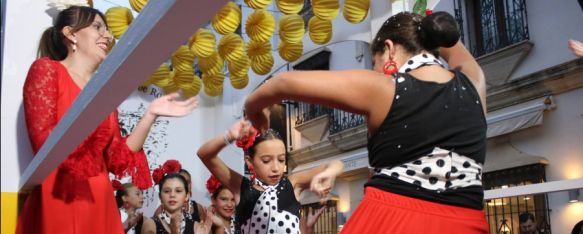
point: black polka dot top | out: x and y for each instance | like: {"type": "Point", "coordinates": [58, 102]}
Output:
{"type": "Point", "coordinates": [426, 116]}
{"type": "Point", "coordinates": [274, 210]}
{"type": "Point", "coordinates": [188, 228]}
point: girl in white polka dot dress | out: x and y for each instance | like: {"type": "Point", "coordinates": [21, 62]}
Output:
{"type": "Point", "coordinates": [269, 202]}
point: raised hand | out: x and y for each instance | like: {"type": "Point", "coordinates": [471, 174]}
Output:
{"type": "Point", "coordinates": [322, 184]}
{"type": "Point", "coordinates": [132, 220]}
{"type": "Point", "coordinates": [206, 225]}
{"type": "Point", "coordinates": [175, 222]}
{"type": "Point", "coordinates": [576, 47]}
{"type": "Point", "coordinates": [240, 129]}
{"type": "Point", "coordinates": [309, 220]}
{"type": "Point", "coordinates": [260, 120]}
{"type": "Point", "coordinates": [170, 105]}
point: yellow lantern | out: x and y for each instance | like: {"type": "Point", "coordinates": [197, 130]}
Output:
{"type": "Point", "coordinates": [231, 47]}
{"type": "Point", "coordinates": [202, 43]}
{"type": "Point", "coordinates": [227, 19]}
{"type": "Point", "coordinates": [161, 73]}
{"type": "Point", "coordinates": [320, 30]}
{"type": "Point", "coordinates": [290, 6]}
{"type": "Point", "coordinates": [137, 5]}
{"type": "Point", "coordinates": [212, 64]}
{"type": "Point", "coordinates": [192, 89]}
{"type": "Point", "coordinates": [326, 9]}
{"type": "Point", "coordinates": [182, 59]}
{"type": "Point", "coordinates": [291, 28]}
{"type": "Point", "coordinates": [257, 4]}
{"type": "Point", "coordinates": [355, 11]}
{"type": "Point", "coordinates": [290, 51]}
{"type": "Point", "coordinates": [260, 25]}
{"type": "Point", "coordinates": [118, 19]}
{"type": "Point", "coordinates": [262, 65]}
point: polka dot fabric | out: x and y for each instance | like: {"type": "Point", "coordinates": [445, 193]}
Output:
{"type": "Point", "coordinates": [419, 60]}
{"type": "Point", "coordinates": [268, 216]}
{"type": "Point", "coordinates": [439, 171]}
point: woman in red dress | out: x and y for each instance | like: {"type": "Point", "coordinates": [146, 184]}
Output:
{"type": "Point", "coordinates": [77, 197]}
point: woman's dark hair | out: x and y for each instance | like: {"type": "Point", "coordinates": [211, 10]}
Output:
{"type": "Point", "coordinates": [122, 192]}
{"type": "Point", "coordinates": [415, 32]}
{"type": "Point", "coordinates": [522, 218]}
{"type": "Point", "coordinates": [270, 134]}
{"type": "Point", "coordinates": [53, 43]}
{"type": "Point", "coordinates": [172, 176]}
{"type": "Point", "coordinates": [578, 227]}
{"type": "Point", "coordinates": [219, 190]}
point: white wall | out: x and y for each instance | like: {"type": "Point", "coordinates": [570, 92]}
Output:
{"type": "Point", "coordinates": [550, 25]}
{"type": "Point", "coordinates": [25, 22]}
{"type": "Point", "coordinates": [559, 140]}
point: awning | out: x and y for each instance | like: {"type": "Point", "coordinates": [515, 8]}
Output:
{"type": "Point", "coordinates": [517, 117]}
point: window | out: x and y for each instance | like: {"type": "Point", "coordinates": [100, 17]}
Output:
{"type": "Point", "coordinates": [490, 25]}
{"type": "Point", "coordinates": [503, 213]}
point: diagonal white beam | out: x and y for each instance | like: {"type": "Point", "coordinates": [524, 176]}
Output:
{"type": "Point", "coordinates": [547, 187]}
{"type": "Point", "coordinates": [158, 30]}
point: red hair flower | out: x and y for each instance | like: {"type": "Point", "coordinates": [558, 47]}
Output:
{"type": "Point", "coordinates": [428, 12]}
{"type": "Point", "coordinates": [212, 184]}
{"type": "Point", "coordinates": [157, 175]}
{"type": "Point", "coordinates": [116, 185]}
{"type": "Point", "coordinates": [247, 141]}
{"type": "Point", "coordinates": [172, 166]}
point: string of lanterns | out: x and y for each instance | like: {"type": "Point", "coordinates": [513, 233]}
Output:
{"type": "Point", "coordinates": [204, 53]}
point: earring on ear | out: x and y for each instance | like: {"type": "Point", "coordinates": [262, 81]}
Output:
{"type": "Point", "coordinates": [390, 67]}
{"type": "Point", "coordinates": [74, 45]}
{"type": "Point", "coordinates": [126, 205]}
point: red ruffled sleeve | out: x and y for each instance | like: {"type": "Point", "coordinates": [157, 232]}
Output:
{"type": "Point", "coordinates": [40, 101]}
{"type": "Point", "coordinates": [122, 161]}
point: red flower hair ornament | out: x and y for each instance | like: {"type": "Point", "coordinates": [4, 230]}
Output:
{"type": "Point", "coordinates": [116, 185]}
{"type": "Point", "coordinates": [170, 166]}
{"type": "Point", "coordinates": [247, 141]}
{"type": "Point", "coordinates": [212, 184]}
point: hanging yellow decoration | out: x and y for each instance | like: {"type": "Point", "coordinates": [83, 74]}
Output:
{"type": "Point", "coordinates": [213, 83]}
{"type": "Point", "coordinates": [227, 19]}
{"type": "Point", "coordinates": [258, 48]}
{"type": "Point", "coordinates": [260, 25]}
{"type": "Point", "coordinates": [239, 67]}
{"type": "Point", "coordinates": [231, 47]}
{"type": "Point", "coordinates": [239, 82]}
{"type": "Point", "coordinates": [326, 9]}
{"type": "Point", "coordinates": [257, 4]}
{"type": "Point", "coordinates": [138, 5]}
{"type": "Point", "coordinates": [355, 11]}
{"type": "Point", "coordinates": [202, 43]}
{"type": "Point", "coordinates": [160, 74]}
{"type": "Point", "coordinates": [118, 19]}
{"type": "Point", "coordinates": [289, 6]}
{"type": "Point", "coordinates": [261, 56]}
{"type": "Point", "coordinates": [262, 65]}
{"type": "Point", "coordinates": [183, 78]}
{"type": "Point", "coordinates": [291, 28]}
{"type": "Point", "coordinates": [182, 59]}
{"type": "Point", "coordinates": [192, 89]}
{"type": "Point", "coordinates": [169, 86]}
{"type": "Point", "coordinates": [320, 30]}
{"type": "Point", "coordinates": [290, 51]}
{"type": "Point", "coordinates": [212, 64]}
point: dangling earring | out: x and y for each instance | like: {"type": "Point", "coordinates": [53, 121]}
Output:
{"type": "Point", "coordinates": [252, 173]}
{"type": "Point", "coordinates": [390, 67]}
{"type": "Point", "coordinates": [74, 45]}
{"type": "Point", "coordinates": [126, 205]}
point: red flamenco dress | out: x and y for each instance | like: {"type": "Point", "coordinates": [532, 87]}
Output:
{"type": "Point", "coordinates": [77, 197]}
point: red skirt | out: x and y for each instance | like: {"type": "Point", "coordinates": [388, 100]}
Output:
{"type": "Point", "coordinates": [384, 212]}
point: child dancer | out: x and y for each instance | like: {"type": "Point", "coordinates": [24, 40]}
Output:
{"type": "Point", "coordinates": [268, 203]}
